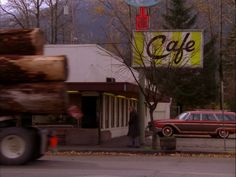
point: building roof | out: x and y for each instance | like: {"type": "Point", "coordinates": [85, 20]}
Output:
{"type": "Point", "coordinates": [92, 63]}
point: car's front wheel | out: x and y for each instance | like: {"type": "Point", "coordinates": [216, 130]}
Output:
{"type": "Point", "coordinates": [167, 131]}
{"type": "Point", "coordinates": [223, 133]}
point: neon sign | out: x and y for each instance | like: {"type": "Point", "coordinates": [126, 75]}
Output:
{"type": "Point", "coordinates": [142, 20]}
{"type": "Point", "coordinates": [142, 3]}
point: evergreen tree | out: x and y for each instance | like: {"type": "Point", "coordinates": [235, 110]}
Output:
{"type": "Point", "coordinates": [179, 16]}
{"type": "Point", "coordinates": [190, 88]}
{"type": "Point", "coordinates": [229, 67]}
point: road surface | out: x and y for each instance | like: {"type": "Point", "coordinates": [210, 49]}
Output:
{"type": "Point", "coordinates": [124, 166]}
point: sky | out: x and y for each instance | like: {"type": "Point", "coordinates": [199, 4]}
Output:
{"type": "Point", "coordinates": [3, 1]}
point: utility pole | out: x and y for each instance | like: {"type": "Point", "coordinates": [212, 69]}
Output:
{"type": "Point", "coordinates": [0, 14]}
{"type": "Point", "coordinates": [221, 73]}
{"type": "Point", "coordinates": [141, 106]}
{"type": "Point", "coordinates": [235, 55]}
{"type": "Point", "coordinates": [221, 62]}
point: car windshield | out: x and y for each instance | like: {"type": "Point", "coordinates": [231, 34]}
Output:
{"type": "Point", "coordinates": [182, 116]}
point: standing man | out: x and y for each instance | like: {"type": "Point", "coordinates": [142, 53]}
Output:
{"type": "Point", "coordinates": [133, 132]}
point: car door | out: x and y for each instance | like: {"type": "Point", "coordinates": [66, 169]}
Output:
{"type": "Point", "coordinates": [191, 124]}
{"type": "Point", "coordinates": [209, 123]}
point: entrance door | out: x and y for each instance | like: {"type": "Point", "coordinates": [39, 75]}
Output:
{"type": "Point", "coordinates": [89, 109]}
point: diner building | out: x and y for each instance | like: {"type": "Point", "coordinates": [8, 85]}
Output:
{"type": "Point", "coordinates": [104, 88]}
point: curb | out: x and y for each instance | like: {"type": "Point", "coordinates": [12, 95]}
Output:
{"type": "Point", "coordinates": [143, 151]}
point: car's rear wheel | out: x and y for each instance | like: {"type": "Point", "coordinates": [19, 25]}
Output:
{"type": "Point", "coordinates": [223, 133]}
{"type": "Point", "coordinates": [167, 131]}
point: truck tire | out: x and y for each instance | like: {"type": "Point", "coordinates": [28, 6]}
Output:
{"type": "Point", "coordinates": [16, 146]}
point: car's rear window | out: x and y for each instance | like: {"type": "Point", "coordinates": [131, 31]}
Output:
{"type": "Point", "coordinates": [226, 117]}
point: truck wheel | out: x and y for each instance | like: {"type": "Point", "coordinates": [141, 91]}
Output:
{"type": "Point", "coordinates": [16, 146]}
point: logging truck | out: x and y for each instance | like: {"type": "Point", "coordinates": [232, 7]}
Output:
{"type": "Point", "coordinates": [30, 84]}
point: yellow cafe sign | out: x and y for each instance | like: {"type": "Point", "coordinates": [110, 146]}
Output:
{"type": "Point", "coordinates": [167, 48]}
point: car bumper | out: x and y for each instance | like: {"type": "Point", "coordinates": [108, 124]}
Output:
{"type": "Point", "coordinates": [158, 129]}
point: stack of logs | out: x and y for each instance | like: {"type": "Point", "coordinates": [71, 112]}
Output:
{"type": "Point", "coordinates": [30, 82]}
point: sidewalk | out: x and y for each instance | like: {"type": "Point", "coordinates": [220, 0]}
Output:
{"type": "Point", "coordinates": [119, 145]}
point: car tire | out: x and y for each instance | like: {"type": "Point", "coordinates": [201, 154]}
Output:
{"type": "Point", "coordinates": [223, 133]}
{"type": "Point", "coordinates": [16, 146]}
{"type": "Point", "coordinates": [167, 131]}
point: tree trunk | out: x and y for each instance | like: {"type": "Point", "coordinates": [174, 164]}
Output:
{"type": "Point", "coordinates": [21, 42]}
{"type": "Point", "coordinates": [14, 69]}
{"type": "Point", "coordinates": [153, 129]}
{"type": "Point", "coordinates": [154, 140]}
{"type": "Point", "coordinates": [48, 97]}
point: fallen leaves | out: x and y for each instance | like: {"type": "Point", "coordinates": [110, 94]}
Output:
{"type": "Point", "coordinates": [177, 154]}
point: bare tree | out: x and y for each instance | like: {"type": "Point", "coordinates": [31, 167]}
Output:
{"type": "Point", "coordinates": [146, 59]}
{"type": "Point", "coordinates": [36, 10]}
{"type": "Point", "coordinates": [53, 11]}
{"type": "Point", "coordinates": [23, 13]}
{"type": "Point", "coordinates": [45, 14]}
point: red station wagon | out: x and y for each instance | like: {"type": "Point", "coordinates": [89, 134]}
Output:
{"type": "Point", "coordinates": [213, 123]}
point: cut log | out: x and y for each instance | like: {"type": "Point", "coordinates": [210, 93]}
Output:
{"type": "Point", "coordinates": [35, 98]}
{"type": "Point", "coordinates": [21, 41]}
{"type": "Point", "coordinates": [36, 68]}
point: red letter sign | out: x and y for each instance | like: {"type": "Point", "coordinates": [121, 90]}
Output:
{"type": "Point", "coordinates": [142, 20]}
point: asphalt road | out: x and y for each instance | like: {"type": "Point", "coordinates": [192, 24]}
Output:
{"type": "Point", "coordinates": [206, 144]}
{"type": "Point", "coordinates": [124, 166]}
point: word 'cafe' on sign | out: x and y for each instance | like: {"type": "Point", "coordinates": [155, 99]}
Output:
{"type": "Point", "coordinates": [165, 48]}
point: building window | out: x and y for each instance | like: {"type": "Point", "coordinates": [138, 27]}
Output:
{"type": "Point", "coordinates": [103, 112]}
{"type": "Point", "coordinates": [112, 112]}
{"type": "Point", "coordinates": [115, 111]}
{"type": "Point", "coordinates": [127, 112]}
{"type": "Point", "coordinates": [122, 112]}
{"type": "Point", "coordinates": [118, 112]}
{"type": "Point", "coordinates": [107, 103]}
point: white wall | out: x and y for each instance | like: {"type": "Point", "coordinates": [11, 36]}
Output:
{"type": "Point", "coordinates": [90, 63]}
{"type": "Point", "coordinates": [162, 111]}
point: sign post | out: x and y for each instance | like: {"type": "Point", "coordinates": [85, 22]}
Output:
{"type": "Point", "coordinates": [142, 23]}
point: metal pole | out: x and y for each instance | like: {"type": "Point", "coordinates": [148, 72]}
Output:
{"type": "Point", "coordinates": [0, 14]}
{"type": "Point", "coordinates": [221, 70]}
{"type": "Point", "coordinates": [141, 107]}
{"type": "Point", "coordinates": [235, 55]}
